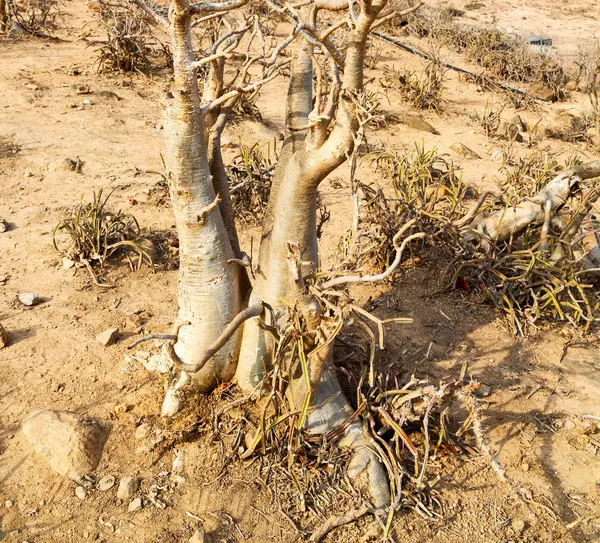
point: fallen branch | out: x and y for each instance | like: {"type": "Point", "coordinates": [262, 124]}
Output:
{"type": "Point", "coordinates": [336, 521]}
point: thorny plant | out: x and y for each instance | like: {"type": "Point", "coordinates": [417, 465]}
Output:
{"type": "Point", "coordinates": [250, 177]}
{"type": "Point", "coordinates": [36, 17]}
{"type": "Point", "coordinates": [92, 234]}
{"type": "Point", "coordinates": [130, 43]}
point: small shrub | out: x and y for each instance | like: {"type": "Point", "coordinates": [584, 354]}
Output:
{"type": "Point", "coordinates": [427, 90]}
{"type": "Point", "coordinates": [130, 45]}
{"type": "Point", "coordinates": [36, 17]}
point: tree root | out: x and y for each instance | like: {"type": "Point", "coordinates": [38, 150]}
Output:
{"type": "Point", "coordinates": [336, 521]}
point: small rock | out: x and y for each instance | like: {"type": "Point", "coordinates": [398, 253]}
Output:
{"type": "Point", "coordinates": [82, 89]}
{"type": "Point", "coordinates": [142, 431]}
{"type": "Point", "coordinates": [511, 131]}
{"type": "Point", "coordinates": [497, 154]}
{"type": "Point", "coordinates": [16, 30]}
{"type": "Point", "coordinates": [199, 537]}
{"type": "Point", "coordinates": [569, 424]}
{"type": "Point", "coordinates": [127, 488]}
{"type": "Point", "coordinates": [8, 504]}
{"type": "Point", "coordinates": [106, 483]}
{"type": "Point", "coordinates": [571, 86]}
{"type": "Point", "coordinates": [65, 165]}
{"type": "Point", "coordinates": [88, 102]}
{"type": "Point", "coordinates": [80, 492]}
{"type": "Point", "coordinates": [32, 86]}
{"type": "Point", "coordinates": [71, 443]}
{"type": "Point", "coordinates": [464, 152]}
{"type": "Point", "coordinates": [418, 123]}
{"type": "Point", "coordinates": [135, 505]}
{"type": "Point", "coordinates": [3, 337]}
{"type": "Point", "coordinates": [67, 263]}
{"type": "Point", "coordinates": [525, 467]}
{"type": "Point", "coordinates": [518, 525]}
{"type": "Point", "coordinates": [483, 390]}
{"type": "Point", "coordinates": [29, 298]}
{"type": "Point", "coordinates": [3, 279]}
{"type": "Point", "coordinates": [28, 173]}
{"type": "Point", "coordinates": [3, 225]}
{"type": "Point", "coordinates": [108, 337]}
{"type": "Point", "coordinates": [109, 95]}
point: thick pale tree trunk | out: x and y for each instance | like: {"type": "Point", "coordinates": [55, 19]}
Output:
{"type": "Point", "coordinates": [209, 294]}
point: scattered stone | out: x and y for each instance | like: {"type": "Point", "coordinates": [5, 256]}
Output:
{"type": "Point", "coordinates": [67, 263]}
{"type": "Point", "coordinates": [16, 30]}
{"type": "Point", "coordinates": [106, 483]}
{"type": "Point", "coordinates": [199, 537]}
{"type": "Point", "coordinates": [518, 525]}
{"type": "Point", "coordinates": [80, 493]}
{"type": "Point", "coordinates": [418, 123]}
{"type": "Point", "coordinates": [483, 390]}
{"type": "Point", "coordinates": [28, 174]}
{"type": "Point", "coordinates": [65, 165]}
{"type": "Point", "coordinates": [29, 298]}
{"type": "Point", "coordinates": [109, 95]}
{"type": "Point", "coordinates": [518, 121]}
{"type": "Point", "coordinates": [497, 154]}
{"type": "Point", "coordinates": [464, 152]}
{"type": "Point", "coordinates": [135, 505]}
{"type": "Point", "coordinates": [88, 102]}
{"type": "Point", "coordinates": [569, 424]}
{"type": "Point", "coordinates": [108, 337]}
{"type": "Point", "coordinates": [3, 337]}
{"type": "Point", "coordinates": [32, 86]}
{"type": "Point", "coordinates": [121, 408]}
{"type": "Point", "coordinates": [3, 279]}
{"type": "Point", "coordinates": [571, 86]}
{"type": "Point", "coordinates": [82, 89]}
{"type": "Point", "coordinates": [3, 225]}
{"type": "Point", "coordinates": [8, 504]}
{"type": "Point", "coordinates": [143, 431]}
{"type": "Point", "coordinates": [71, 443]}
{"type": "Point", "coordinates": [525, 466]}
{"type": "Point", "coordinates": [134, 323]}
{"type": "Point", "coordinates": [127, 488]}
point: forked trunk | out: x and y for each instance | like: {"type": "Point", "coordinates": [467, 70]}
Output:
{"type": "Point", "coordinates": [208, 293]}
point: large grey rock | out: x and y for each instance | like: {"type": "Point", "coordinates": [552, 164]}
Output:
{"type": "Point", "coordinates": [71, 443]}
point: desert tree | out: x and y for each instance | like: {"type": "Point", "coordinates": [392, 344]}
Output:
{"type": "Point", "coordinates": [228, 312]}
{"type": "Point", "coordinates": [3, 16]}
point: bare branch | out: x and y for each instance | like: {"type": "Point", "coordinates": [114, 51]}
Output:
{"type": "Point", "coordinates": [346, 279]}
{"type": "Point", "coordinates": [213, 7]}
{"type": "Point", "coordinates": [248, 313]}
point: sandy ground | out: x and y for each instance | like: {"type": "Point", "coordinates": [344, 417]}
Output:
{"type": "Point", "coordinates": [536, 411]}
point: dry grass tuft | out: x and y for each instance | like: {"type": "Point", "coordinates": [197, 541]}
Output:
{"type": "Point", "coordinates": [250, 178]}
{"type": "Point", "coordinates": [8, 148]}
{"type": "Point", "coordinates": [91, 235]}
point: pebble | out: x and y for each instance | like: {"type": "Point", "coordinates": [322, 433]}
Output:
{"type": "Point", "coordinates": [127, 488]}
{"type": "Point", "coordinates": [67, 263]}
{"type": "Point", "coordinates": [106, 483]}
{"type": "Point", "coordinates": [88, 102]}
{"type": "Point", "coordinates": [108, 337]}
{"type": "Point", "coordinates": [8, 504]}
{"type": "Point", "coordinates": [80, 492]}
{"type": "Point", "coordinates": [464, 152]}
{"type": "Point", "coordinates": [483, 390]}
{"type": "Point", "coordinates": [135, 505]}
{"type": "Point", "coordinates": [3, 279]}
{"type": "Point", "coordinates": [3, 225]}
{"type": "Point", "coordinates": [142, 431]}
{"type": "Point", "coordinates": [518, 525]}
{"type": "Point", "coordinates": [29, 298]}
{"type": "Point", "coordinates": [569, 424]}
